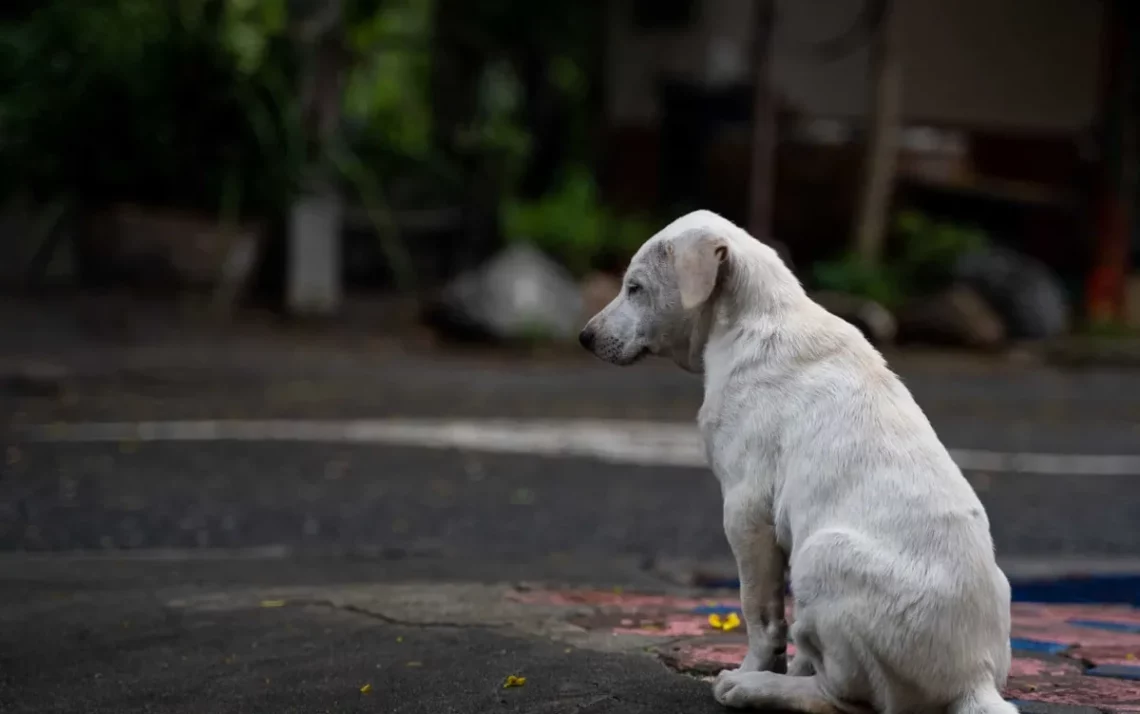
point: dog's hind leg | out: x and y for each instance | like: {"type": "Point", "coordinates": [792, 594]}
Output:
{"type": "Point", "coordinates": [768, 690]}
{"type": "Point", "coordinates": [801, 666]}
{"type": "Point", "coordinates": [807, 654]}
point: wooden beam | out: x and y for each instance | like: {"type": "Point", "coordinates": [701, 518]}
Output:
{"type": "Point", "coordinates": [883, 123]}
{"type": "Point", "coordinates": [762, 170]}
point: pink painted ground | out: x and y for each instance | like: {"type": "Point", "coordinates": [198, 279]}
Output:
{"type": "Point", "coordinates": [698, 647]}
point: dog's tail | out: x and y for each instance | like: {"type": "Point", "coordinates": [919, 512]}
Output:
{"type": "Point", "coordinates": [984, 699]}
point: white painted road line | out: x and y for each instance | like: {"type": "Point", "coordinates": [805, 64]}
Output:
{"type": "Point", "coordinates": [630, 442]}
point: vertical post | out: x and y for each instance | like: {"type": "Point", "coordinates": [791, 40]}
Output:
{"type": "Point", "coordinates": [1104, 292]}
{"type": "Point", "coordinates": [762, 169]}
{"type": "Point", "coordinates": [313, 280]}
{"type": "Point", "coordinates": [883, 121]}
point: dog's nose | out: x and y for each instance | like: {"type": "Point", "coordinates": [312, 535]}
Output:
{"type": "Point", "coordinates": [586, 338]}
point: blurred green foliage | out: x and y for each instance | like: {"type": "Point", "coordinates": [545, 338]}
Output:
{"type": "Point", "coordinates": [194, 104]}
{"type": "Point", "coordinates": [853, 275]}
{"type": "Point", "coordinates": [170, 102]}
{"type": "Point", "coordinates": [165, 103]}
{"type": "Point", "coordinates": [571, 225]}
{"type": "Point", "coordinates": [386, 94]}
{"type": "Point", "coordinates": [923, 262]}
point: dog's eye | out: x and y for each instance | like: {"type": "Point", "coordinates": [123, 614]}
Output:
{"type": "Point", "coordinates": [633, 288]}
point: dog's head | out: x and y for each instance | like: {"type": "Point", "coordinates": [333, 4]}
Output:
{"type": "Point", "coordinates": [671, 281]}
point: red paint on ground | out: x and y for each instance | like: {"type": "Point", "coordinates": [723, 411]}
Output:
{"type": "Point", "coordinates": [671, 626]}
{"type": "Point", "coordinates": [1052, 623]}
{"type": "Point", "coordinates": [1026, 668]}
{"type": "Point", "coordinates": [1037, 678]}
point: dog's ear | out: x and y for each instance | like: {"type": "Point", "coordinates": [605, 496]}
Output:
{"type": "Point", "coordinates": [697, 259]}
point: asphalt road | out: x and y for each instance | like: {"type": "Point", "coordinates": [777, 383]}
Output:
{"type": "Point", "coordinates": [1001, 407]}
{"type": "Point", "coordinates": [99, 635]}
{"type": "Point", "coordinates": [305, 495]}
{"type": "Point", "coordinates": [105, 639]}
{"type": "Point", "coordinates": [444, 502]}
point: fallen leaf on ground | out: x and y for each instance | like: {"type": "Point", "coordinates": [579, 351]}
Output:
{"type": "Point", "coordinates": [366, 689]}
{"type": "Point", "coordinates": [273, 603]}
{"type": "Point", "coordinates": [514, 681]}
{"type": "Point", "coordinates": [724, 624]}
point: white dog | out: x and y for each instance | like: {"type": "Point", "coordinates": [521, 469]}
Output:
{"type": "Point", "coordinates": [825, 463]}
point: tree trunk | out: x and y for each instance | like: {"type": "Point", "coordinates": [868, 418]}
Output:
{"type": "Point", "coordinates": [763, 125]}
{"type": "Point", "coordinates": [455, 70]}
{"type": "Point", "coordinates": [546, 116]}
{"type": "Point", "coordinates": [458, 64]}
{"type": "Point", "coordinates": [882, 140]}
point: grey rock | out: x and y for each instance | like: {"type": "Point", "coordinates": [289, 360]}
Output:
{"type": "Point", "coordinates": [1025, 293]}
{"type": "Point", "coordinates": [958, 316]}
{"type": "Point", "coordinates": [520, 294]}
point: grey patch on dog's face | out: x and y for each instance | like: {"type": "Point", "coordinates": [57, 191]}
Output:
{"type": "Point", "coordinates": [646, 316]}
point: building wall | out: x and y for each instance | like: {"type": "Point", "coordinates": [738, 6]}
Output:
{"type": "Point", "coordinates": [989, 64]}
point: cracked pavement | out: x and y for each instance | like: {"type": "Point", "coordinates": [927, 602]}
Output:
{"type": "Point", "coordinates": [98, 648]}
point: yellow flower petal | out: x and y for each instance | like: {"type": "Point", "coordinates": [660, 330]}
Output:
{"type": "Point", "coordinates": [724, 624]}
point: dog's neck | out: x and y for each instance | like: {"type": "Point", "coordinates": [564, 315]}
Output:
{"type": "Point", "coordinates": [756, 296]}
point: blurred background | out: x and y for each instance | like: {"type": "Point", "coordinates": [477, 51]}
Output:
{"type": "Point", "coordinates": [394, 209]}
{"type": "Point", "coordinates": [289, 290]}
{"type": "Point", "coordinates": [966, 166]}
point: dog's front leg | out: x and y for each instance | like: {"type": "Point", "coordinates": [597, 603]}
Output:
{"type": "Point", "coordinates": [761, 564]}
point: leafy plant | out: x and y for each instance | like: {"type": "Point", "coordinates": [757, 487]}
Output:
{"type": "Point", "coordinates": [159, 103]}
{"type": "Point", "coordinates": [929, 248]}
{"type": "Point", "coordinates": [571, 225]}
{"type": "Point", "coordinates": [927, 251]}
{"type": "Point", "coordinates": [855, 276]}
{"type": "Point", "coordinates": [386, 93]}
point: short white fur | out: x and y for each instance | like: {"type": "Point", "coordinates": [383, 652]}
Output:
{"type": "Point", "coordinates": [827, 465]}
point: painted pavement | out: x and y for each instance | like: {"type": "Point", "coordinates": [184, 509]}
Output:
{"type": "Point", "coordinates": [1076, 655]}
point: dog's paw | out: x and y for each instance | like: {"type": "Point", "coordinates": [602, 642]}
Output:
{"type": "Point", "coordinates": [736, 688]}
{"type": "Point", "coordinates": [724, 687]}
